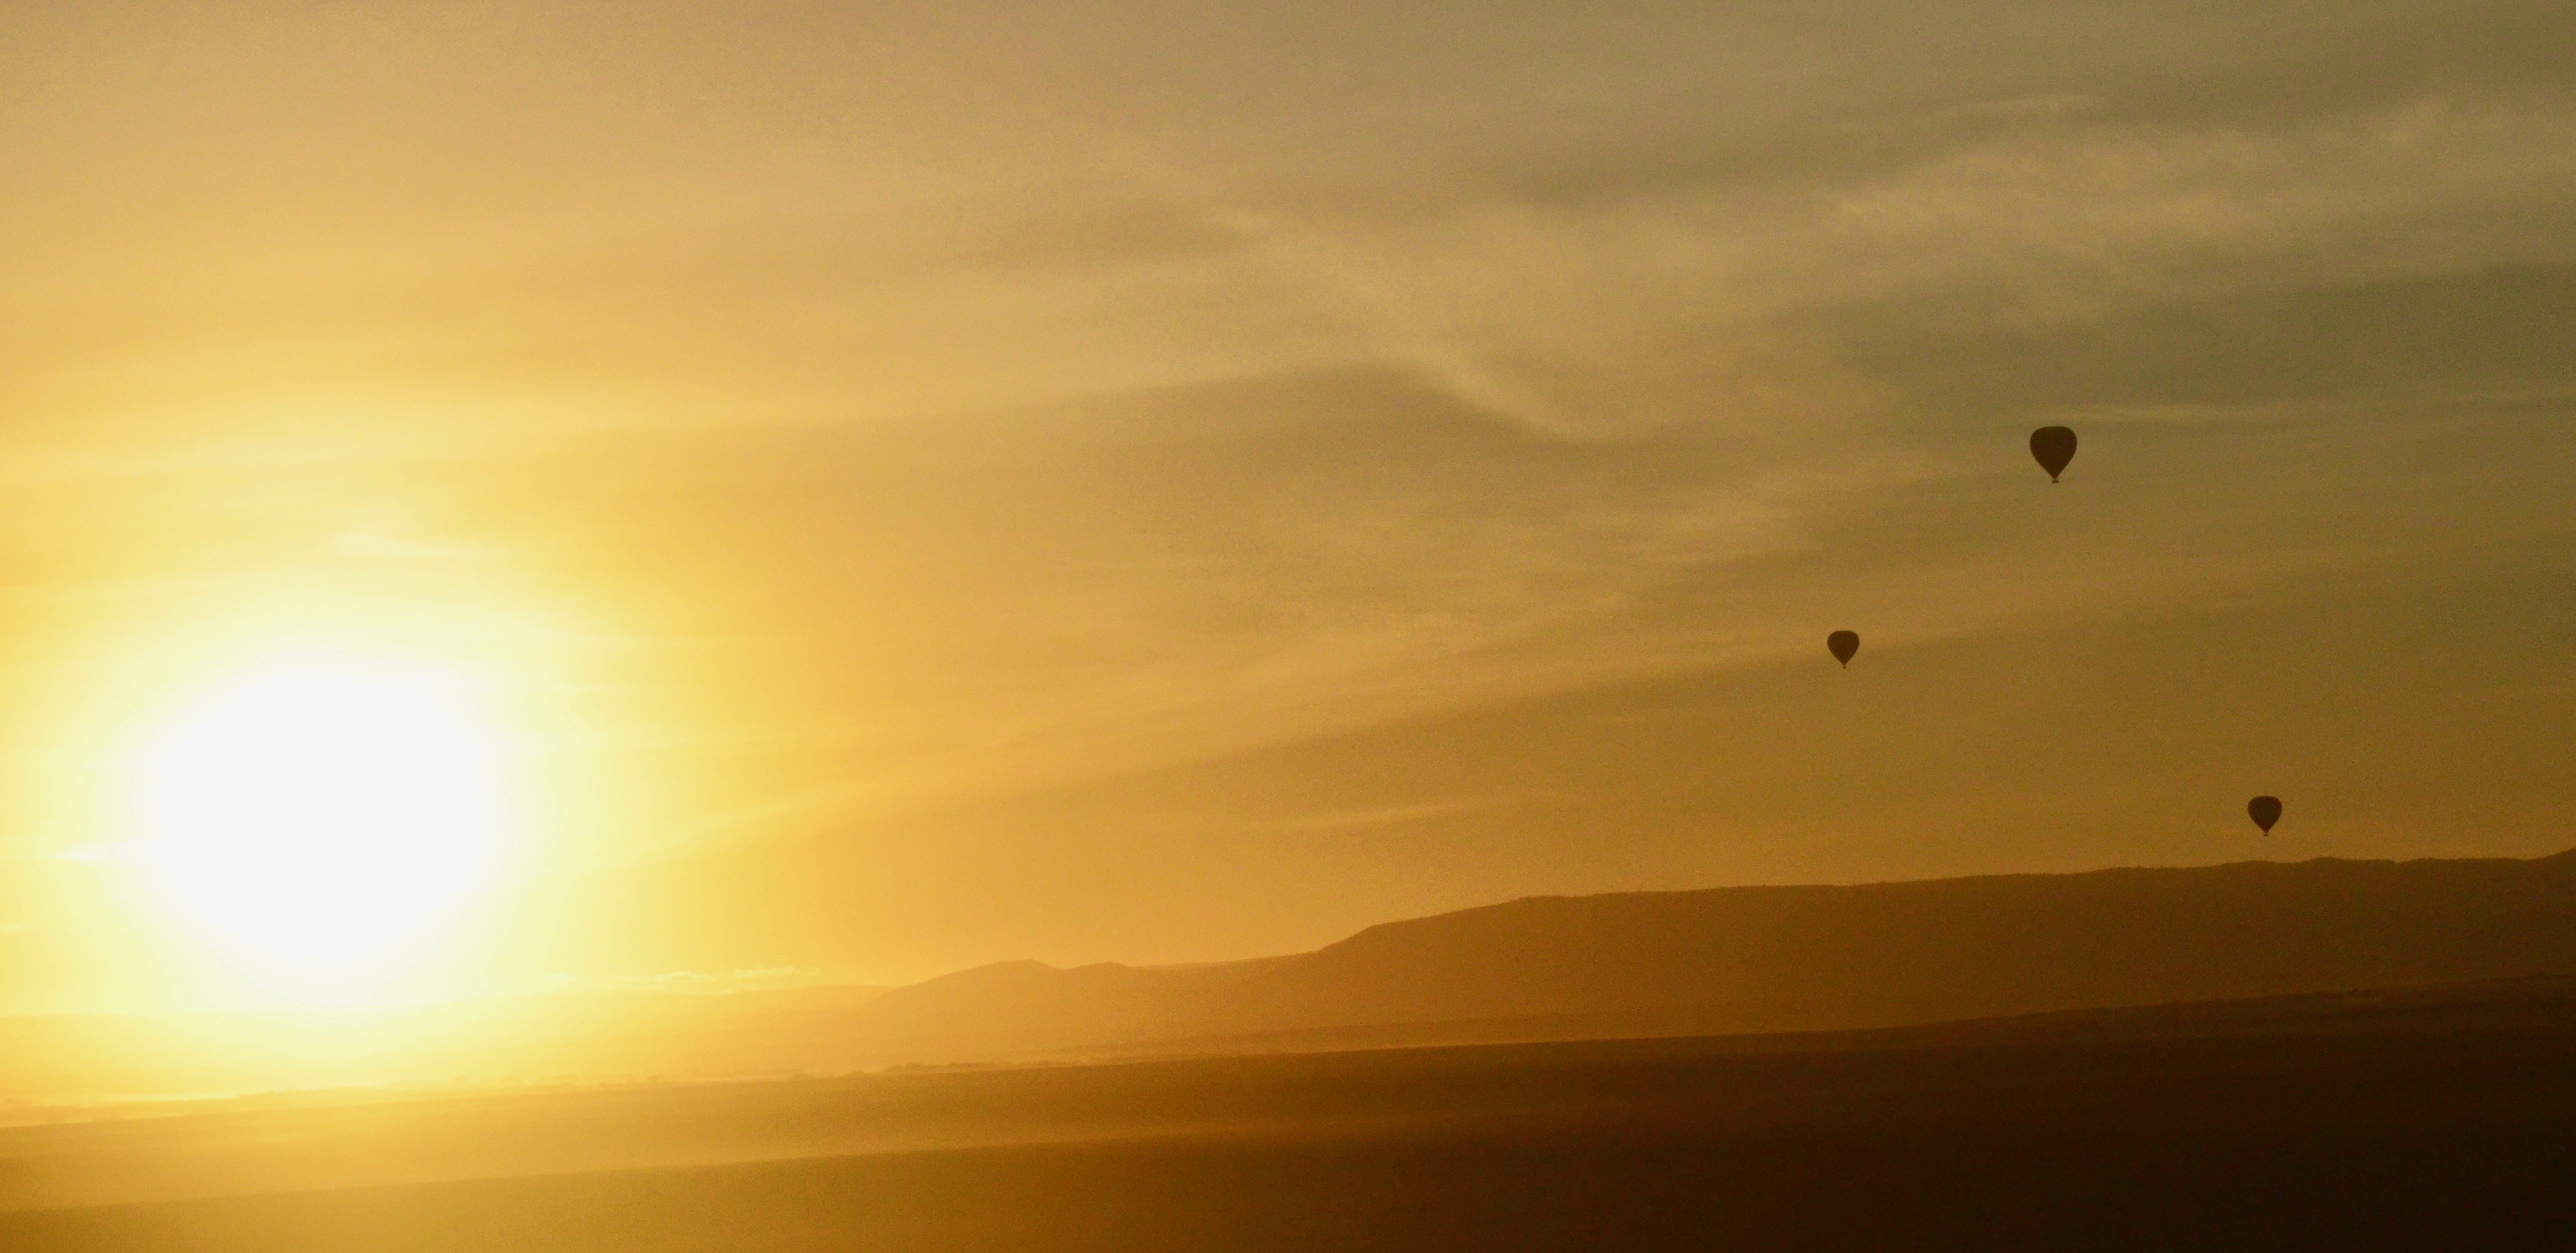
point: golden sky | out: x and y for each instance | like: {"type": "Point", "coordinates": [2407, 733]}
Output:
{"type": "Point", "coordinates": [922, 484]}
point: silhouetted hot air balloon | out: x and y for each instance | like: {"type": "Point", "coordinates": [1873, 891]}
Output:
{"type": "Point", "coordinates": [2054, 446]}
{"type": "Point", "coordinates": [2265, 810]}
{"type": "Point", "coordinates": [1842, 644]}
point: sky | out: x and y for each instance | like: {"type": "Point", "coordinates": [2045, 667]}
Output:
{"type": "Point", "coordinates": [927, 484]}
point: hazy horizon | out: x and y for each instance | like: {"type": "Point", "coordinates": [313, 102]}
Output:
{"type": "Point", "coordinates": [1377, 625]}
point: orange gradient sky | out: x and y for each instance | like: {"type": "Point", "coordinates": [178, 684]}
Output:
{"type": "Point", "coordinates": [914, 485]}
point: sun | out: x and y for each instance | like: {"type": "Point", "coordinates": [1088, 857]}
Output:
{"type": "Point", "coordinates": [320, 812]}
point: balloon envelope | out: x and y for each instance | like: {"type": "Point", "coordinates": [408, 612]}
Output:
{"type": "Point", "coordinates": [2054, 446]}
{"type": "Point", "coordinates": [2264, 810]}
{"type": "Point", "coordinates": [1842, 644]}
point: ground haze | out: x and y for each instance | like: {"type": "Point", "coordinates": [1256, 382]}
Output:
{"type": "Point", "coordinates": [1717, 961]}
{"type": "Point", "coordinates": [2430, 1119]}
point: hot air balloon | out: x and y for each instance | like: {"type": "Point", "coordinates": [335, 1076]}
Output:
{"type": "Point", "coordinates": [2264, 810]}
{"type": "Point", "coordinates": [2054, 446]}
{"type": "Point", "coordinates": [1842, 644]}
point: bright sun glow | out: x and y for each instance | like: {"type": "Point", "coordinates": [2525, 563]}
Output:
{"type": "Point", "coordinates": [322, 812]}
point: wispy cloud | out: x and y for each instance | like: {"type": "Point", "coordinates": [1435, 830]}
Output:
{"type": "Point", "coordinates": [822, 442]}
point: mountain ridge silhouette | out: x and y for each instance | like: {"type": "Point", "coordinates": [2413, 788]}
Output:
{"type": "Point", "coordinates": [1704, 962]}
{"type": "Point", "coordinates": [1813, 957]}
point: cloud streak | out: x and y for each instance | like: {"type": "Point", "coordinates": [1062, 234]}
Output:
{"type": "Point", "coordinates": [843, 420]}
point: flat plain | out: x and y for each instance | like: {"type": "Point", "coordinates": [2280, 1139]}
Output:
{"type": "Point", "coordinates": [2441, 1118]}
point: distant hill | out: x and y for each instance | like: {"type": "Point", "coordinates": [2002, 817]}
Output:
{"type": "Point", "coordinates": [1720, 961]}
{"type": "Point", "coordinates": [1787, 959]}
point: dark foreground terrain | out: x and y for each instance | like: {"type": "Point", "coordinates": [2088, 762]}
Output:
{"type": "Point", "coordinates": [2443, 1119]}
